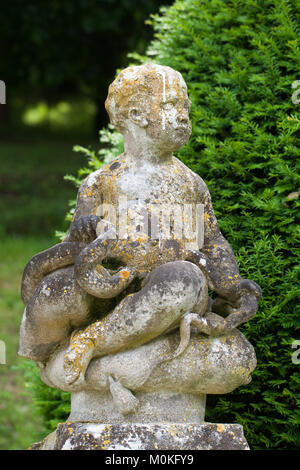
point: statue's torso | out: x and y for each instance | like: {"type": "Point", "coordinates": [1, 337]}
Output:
{"type": "Point", "coordinates": [150, 205]}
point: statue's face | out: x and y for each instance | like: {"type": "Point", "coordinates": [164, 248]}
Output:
{"type": "Point", "coordinates": [168, 117]}
{"type": "Point", "coordinates": [164, 114]}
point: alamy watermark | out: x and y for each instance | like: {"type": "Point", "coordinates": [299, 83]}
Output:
{"type": "Point", "coordinates": [296, 354]}
{"type": "Point", "coordinates": [2, 352]}
{"type": "Point", "coordinates": [2, 92]}
{"type": "Point", "coordinates": [296, 86]}
{"type": "Point", "coordinates": [133, 219]}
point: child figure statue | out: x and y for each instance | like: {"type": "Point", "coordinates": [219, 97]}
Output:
{"type": "Point", "coordinates": [148, 284]}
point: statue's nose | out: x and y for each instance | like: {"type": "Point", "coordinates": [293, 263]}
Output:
{"type": "Point", "coordinates": [183, 119]}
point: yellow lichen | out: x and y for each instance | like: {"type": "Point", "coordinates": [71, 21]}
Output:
{"type": "Point", "coordinates": [220, 427]}
{"type": "Point", "coordinates": [125, 274]}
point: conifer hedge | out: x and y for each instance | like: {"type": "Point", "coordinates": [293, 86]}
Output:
{"type": "Point", "coordinates": [240, 61]}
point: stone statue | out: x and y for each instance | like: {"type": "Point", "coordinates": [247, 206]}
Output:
{"type": "Point", "coordinates": [119, 312]}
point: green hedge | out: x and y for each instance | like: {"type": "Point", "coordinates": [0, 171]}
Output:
{"type": "Point", "coordinates": [239, 60]}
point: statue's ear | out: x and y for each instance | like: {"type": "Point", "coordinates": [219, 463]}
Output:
{"type": "Point", "coordinates": [137, 117]}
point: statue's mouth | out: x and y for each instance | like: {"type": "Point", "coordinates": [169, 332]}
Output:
{"type": "Point", "coordinates": [186, 130]}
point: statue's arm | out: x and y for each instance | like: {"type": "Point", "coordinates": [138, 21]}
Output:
{"type": "Point", "coordinates": [82, 231]}
{"type": "Point", "coordinates": [237, 298]}
{"type": "Point", "coordinates": [85, 220]}
{"type": "Point", "coordinates": [221, 266]}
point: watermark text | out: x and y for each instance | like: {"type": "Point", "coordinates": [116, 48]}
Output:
{"type": "Point", "coordinates": [135, 219]}
{"type": "Point", "coordinates": [296, 354]}
{"type": "Point", "coordinates": [2, 92]}
{"type": "Point", "coordinates": [296, 85]}
{"type": "Point", "coordinates": [2, 352]}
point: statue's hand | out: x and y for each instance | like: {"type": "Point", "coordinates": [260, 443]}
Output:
{"type": "Point", "coordinates": [84, 229]}
{"type": "Point", "coordinates": [212, 324]}
{"type": "Point", "coordinates": [97, 281]}
{"type": "Point", "coordinates": [123, 278]}
{"type": "Point", "coordinates": [240, 305]}
{"type": "Point", "coordinates": [196, 257]}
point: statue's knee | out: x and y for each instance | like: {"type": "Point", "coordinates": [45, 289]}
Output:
{"type": "Point", "coordinates": [183, 272]}
{"type": "Point", "coordinates": [45, 304]}
{"type": "Point", "coordinates": [177, 283]}
{"type": "Point", "coordinates": [58, 301]}
{"type": "Point", "coordinates": [192, 285]}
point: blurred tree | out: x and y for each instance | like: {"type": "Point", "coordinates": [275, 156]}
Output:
{"type": "Point", "coordinates": [54, 49]}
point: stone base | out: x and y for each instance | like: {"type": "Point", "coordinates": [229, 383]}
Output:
{"type": "Point", "coordinates": [157, 407]}
{"type": "Point", "coordinates": [178, 436]}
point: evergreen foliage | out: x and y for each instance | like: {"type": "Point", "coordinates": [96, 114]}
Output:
{"type": "Point", "coordinates": [239, 60]}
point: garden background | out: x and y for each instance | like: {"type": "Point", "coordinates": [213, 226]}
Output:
{"type": "Point", "coordinates": [240, 60]}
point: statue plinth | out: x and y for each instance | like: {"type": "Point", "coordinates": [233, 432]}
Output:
{"type": "Point", "coordinates": [163, 421]}
{"type": "Point", "coordinates": [153, 407]}
{"type": "Point", "coordinates": [151, 436]}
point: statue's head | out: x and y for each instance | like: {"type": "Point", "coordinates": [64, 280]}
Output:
{"type": "Point", "coordinates": [151, 100]}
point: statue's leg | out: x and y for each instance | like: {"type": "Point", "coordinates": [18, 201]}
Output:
{"type": "Point", "coordinates": [57, 307]}
{"type": "Point", "coordinates": [57, 257]}
{"type": "Point", "coordinates": [169, 292]}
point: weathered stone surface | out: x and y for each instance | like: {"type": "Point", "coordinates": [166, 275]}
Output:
{"type": "Point", "coordinates": [149, 105]}
{"type": "Point", "coordinates": [208, 365]}
{"type": "Point", "coordinates": [156, 407]}
{"type": "Point", "coordinates": [89, 436]}
{"type": "Point", "coordinates": [119, 312]}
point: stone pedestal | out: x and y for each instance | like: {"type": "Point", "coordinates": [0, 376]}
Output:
{"type": "Point", "coordinates": [162, 421]}
{"type": "Point", "coordinates": [178, 436]}
{"type": "Point", "coordinates": [153, 407]}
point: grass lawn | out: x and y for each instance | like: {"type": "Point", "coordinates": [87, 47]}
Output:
{"type": "Point", "coordinates": [33, 194]}
{"type": "Point", "coordinates": [19, 426]}
{"type": "Point", "coordinates": [33, 204]}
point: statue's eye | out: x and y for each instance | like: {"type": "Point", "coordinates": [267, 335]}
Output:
{"type": "Point", "coordinates": [187, 105]}
{"type": "Point", "coordinates": [167, 106]}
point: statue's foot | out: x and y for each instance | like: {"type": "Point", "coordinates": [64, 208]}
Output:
{"type": "Point", "coordinates": [210, 324]}
{"type": "Point", "coordinates": [78, 357]}
{"type": "Point", "coordinates": [123, 398]}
